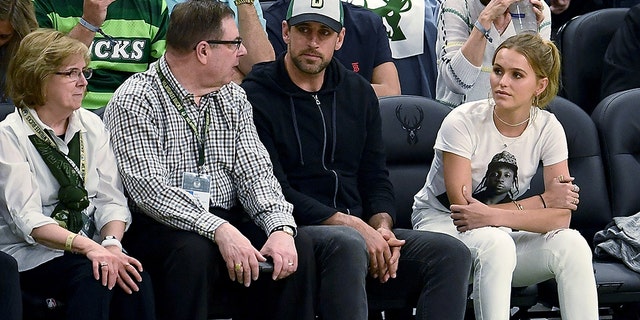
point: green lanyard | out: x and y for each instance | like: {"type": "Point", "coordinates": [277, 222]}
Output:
{"type": "Point", "coordinates": [202, 137]}
{"type": "Point", "coordinates": [40, 133]}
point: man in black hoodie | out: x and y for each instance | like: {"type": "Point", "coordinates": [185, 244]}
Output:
{"type": "Point", "coordinates": [322, 128]}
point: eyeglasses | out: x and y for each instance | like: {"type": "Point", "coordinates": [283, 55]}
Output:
{"type": "Point", "coordinates": [74, 74]}
{"type": "Point", "coordinates": [237, 41]}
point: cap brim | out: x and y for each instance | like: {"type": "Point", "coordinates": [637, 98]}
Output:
{"type": "Point", "coordinates": [306, 17]}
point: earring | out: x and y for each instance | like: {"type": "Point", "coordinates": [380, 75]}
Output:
{"type": "Point", "coordinates": [536, 101]}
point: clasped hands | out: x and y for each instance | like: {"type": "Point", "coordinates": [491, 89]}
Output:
{"type": "Point", "coordinates": [384, 252]}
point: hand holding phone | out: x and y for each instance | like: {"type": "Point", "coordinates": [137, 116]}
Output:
{"type": "Point", "coordinates": [265, 266]}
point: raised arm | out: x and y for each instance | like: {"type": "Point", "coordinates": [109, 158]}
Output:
{"type": "Point", "coordinates": [94, 12]}
{"type": "Point", "coordinates": [254, 38]}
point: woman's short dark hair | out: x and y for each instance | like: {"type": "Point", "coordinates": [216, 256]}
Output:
{"type": "Point", "coordinates": [195, 20]}
{"type": "Point", "coordinates": [40, 55]}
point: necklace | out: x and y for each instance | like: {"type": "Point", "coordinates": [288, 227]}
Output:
{"type": "Point", "coordinates": [510, 124]}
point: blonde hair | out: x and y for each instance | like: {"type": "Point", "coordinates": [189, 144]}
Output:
{"type": "Point", "coordinates": [20, 15]}
{"type": "Point", "coordinates": [40, 54]}
{"type": "Point", "coordinates": [544, 58]}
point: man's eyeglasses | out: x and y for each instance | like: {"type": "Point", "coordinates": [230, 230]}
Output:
{"type": "Point", "coordinates": [74, 74]}
{"type": "Point", "coordinates": [237, 41]}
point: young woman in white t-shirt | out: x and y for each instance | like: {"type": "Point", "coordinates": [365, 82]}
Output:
{"type": "Point", "coordinates": [511, 126]}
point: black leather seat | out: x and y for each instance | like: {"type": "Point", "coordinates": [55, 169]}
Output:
{"type": "Point", "coordinates": [582, 42]}
{"type": "Point", "coordinates": [617, 118]}
{"type": "Point", "coordinates": [409, 128]}
{"type": "Point", "coordinates": [585, 164]}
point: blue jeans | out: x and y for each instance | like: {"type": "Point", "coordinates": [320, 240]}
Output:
{"type": "Point", "coordinates": [433, 274]}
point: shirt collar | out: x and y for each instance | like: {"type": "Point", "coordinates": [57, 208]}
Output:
{"type": "Point", "coordinates": [73, 126]}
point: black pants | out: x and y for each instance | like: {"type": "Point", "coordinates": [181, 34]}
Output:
{"type": "Point", "coordinates": [11, 301]}
{"type": "Point", "coordinates": [191, 281]}
{"type": "Point", "coordinates": [433, 273]}
{"type": "Point", "coordinates": [70, 277]}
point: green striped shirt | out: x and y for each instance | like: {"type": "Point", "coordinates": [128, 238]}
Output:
{"type": "Point", "coordinates": [138, 28]}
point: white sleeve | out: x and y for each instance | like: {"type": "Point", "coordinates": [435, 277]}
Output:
{"type": "Point", "coordinates": [455, 135]}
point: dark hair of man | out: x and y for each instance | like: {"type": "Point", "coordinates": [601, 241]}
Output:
{"type": "Point", "coordinates": [196, 20]}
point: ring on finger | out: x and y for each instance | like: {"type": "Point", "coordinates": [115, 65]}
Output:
{"type": "Point", "coordinates": [290, 263]}
{"type": "Point", "coordinates": [103, 264]}
{"type": "Point", "coordinates": [561, 178]}
{"type": "Point", "coordinates": [575, 201]}
{"type": "Point", "coordinates": [238, 267]}
{"type": "Point", "coordinates": [576, 188]}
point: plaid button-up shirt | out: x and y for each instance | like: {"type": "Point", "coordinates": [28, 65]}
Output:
{"type": "Point", "coordinates": [155, 146]}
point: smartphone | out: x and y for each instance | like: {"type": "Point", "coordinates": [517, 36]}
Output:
{"type": "Point", "coordinates": [265, 266]}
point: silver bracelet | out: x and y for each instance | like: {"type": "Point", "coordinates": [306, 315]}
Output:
{"type": "Point", "coordinates": [484, 31]}
{"type": "Point", "coordinates": [89, 26]}
{"type": "Point", "coordinates": [93, 28]}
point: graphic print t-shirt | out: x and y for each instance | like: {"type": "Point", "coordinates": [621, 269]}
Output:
{"type": "Point", "coordinates": [469, 131]}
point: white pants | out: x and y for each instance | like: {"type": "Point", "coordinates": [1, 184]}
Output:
{"type": "Point", "coordinates": [502, 259]}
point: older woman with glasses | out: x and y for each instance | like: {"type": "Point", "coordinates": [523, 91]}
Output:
{"type": "Point", "coordinates": [61, 201]}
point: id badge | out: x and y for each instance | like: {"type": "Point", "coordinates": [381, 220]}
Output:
{"type": "Point", "coordinates": [198, 185]}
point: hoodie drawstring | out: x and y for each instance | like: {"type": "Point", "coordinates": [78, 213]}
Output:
{"type": "Point", "coordinates": [295, 128]}
{"type": "Point", "coordinates": [334, 127]}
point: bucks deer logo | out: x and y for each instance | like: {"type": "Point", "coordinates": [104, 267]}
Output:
{"type": "Point", "coordinates": [411, 122]}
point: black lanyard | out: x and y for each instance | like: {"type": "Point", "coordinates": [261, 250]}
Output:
{"type": "Point", "coordinates": [202, 137]}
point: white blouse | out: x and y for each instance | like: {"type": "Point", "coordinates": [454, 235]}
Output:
{"type": "Point", "coordinates": [29, 192]}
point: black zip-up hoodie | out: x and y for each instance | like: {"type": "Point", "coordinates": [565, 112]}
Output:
{"type": "Point", "coordinates": [326, 146]}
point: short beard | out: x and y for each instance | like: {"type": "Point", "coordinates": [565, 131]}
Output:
{"type": "Point", "coordinates": [306, 68]}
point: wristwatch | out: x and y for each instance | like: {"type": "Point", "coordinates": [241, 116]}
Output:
{"type": "Point", "coordinates": [111, 241]}
{"type": "Point", "coordinates": [239, 2]}
{"type": "Point", "coordinates": [286, 229]}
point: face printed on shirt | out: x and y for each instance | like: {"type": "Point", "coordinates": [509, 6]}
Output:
{"type": "Point", "coordinates": [500, 181]}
